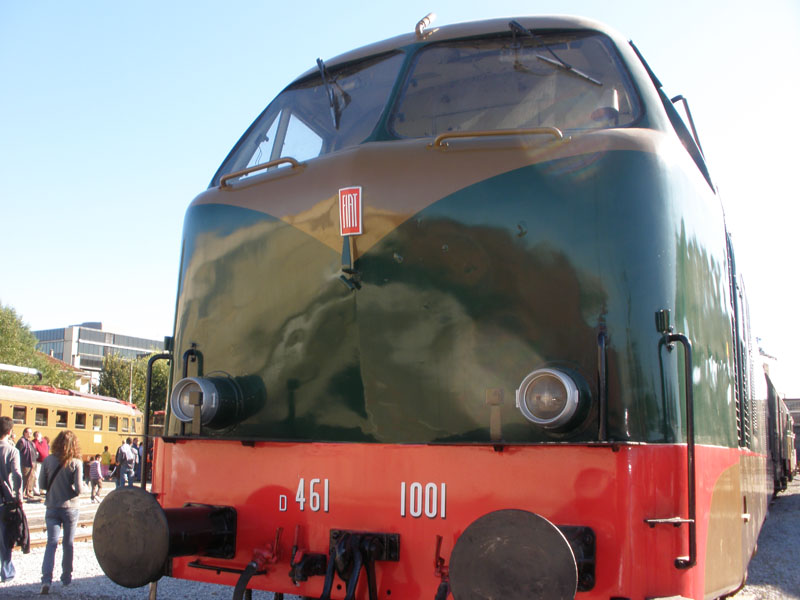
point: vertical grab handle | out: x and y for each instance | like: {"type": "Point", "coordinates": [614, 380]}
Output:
{"type": "Point", "coordinates": [147, 386]}
{"type": "Point", "coordinates": [685, 562]}
{"type": "Point", "coordinates": [668, 339]}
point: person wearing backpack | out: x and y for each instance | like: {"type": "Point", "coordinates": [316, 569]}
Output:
{"type": "Point", "coordinates": [10, 490]}
{"type": "Point", "coordinates": [125, 463]}
{"type": "Point", "coordinates": [62, 477]}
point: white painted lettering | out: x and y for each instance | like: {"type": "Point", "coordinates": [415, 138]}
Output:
{"type": "Point", "coordinates": [313, 502]}
{"type": "Point", "coordinates": [314, 499]}
{"type": "Point", "coordinates": [415, 502]}
{"type": "Point", "coordinates": [430, 499]}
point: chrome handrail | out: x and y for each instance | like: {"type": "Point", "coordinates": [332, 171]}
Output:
{"type": "Point", "coordinates": [273, 163]}
{"type": "Point", "coordinates": [438, 142]}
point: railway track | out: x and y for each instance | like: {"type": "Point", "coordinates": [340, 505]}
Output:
{"type": "Point", "coordinates": [39, 534]}
{"type": "Point", "coordinates": [35, 513]}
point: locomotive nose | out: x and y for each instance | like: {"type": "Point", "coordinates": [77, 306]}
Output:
{"type": "Point", "coordinates": [514, 555]}
{"type": "Point", "coordinates": [134, 537]}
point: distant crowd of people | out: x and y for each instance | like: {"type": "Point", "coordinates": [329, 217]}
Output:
{"type": "Point", "coordinates": [33, 468]}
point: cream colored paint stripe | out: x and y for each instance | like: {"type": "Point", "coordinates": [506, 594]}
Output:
{"type": "Point", "coordinates": [401, 178]}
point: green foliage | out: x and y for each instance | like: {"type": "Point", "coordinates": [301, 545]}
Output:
{"type": "Point", "coordinates": [115, 377]}
{"type": "Point", "coordinates": [18, 348]}
{"type": "Point", "coordinates": [125, 379]}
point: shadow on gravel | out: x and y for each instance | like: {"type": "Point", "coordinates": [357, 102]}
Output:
{"type": "Point", "coordinates": [101, 588]}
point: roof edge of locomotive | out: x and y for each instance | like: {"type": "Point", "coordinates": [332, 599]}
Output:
{"type": "Point", "coordinates": [467, 29]}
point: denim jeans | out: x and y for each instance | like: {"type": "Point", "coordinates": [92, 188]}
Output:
{"type": "Point", "coordinates": [55, 518]}
{"type": "Point", "coordinates": [125, 477]}
{"type": "Point", "coordinates": [7, 570]}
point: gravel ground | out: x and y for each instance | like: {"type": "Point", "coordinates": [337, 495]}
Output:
{"type": "Point", "coordinates": [774, 572]}
{"type": "Point", "coordinates": [90, 583]}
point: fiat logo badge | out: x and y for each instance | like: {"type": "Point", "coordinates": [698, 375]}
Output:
{"type": "Point", "coordinates": [350, 211]}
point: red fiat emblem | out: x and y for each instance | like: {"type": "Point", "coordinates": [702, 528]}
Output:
{"type": "Point", "coordinates": [350, 211]}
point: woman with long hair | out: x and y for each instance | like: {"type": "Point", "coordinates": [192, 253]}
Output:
{"type": "Point", "coordinates": [62, 477]}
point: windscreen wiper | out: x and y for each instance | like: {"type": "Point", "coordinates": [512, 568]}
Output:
{"type": "Point", "coordinates": [516, 27]}
{"type": "Point", "coordinates": [336, 114]}
{"type": "Point", "coordinates": [333, 100]}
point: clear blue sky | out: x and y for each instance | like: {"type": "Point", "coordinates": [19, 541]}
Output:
{"type": "Point", "coordinates": [114, 115]}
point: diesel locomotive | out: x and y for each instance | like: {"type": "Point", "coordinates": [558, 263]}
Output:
{"type": "Point", "coordinates": [459, 316]}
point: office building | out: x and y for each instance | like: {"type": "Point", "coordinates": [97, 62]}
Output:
{"type": "Point", "coordinates": [84, 346]}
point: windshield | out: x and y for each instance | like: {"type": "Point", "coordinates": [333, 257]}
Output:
{"type": "Point", "coordinates": [318, 115]}
{"type": "Point", "coordinates": [573, 81]}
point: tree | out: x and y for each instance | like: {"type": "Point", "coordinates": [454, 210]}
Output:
{"type": "Point", "coordinates": [18, 348]}
{"type": "Point", "coordinates": [115, 377]}
{"type": "Point", "coordinates": [125, 379]}
{"type": "Point", "coordinates": [160, 384]}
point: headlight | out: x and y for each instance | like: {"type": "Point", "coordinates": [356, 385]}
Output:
{"type": "Point", "coordinates": [220, 400]}
{"type": "Point", "coordinates": [548, 397]}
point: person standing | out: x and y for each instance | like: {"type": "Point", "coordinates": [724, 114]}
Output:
{"type": "Point", "coordinates": [125, 462]}
{"type": "Point", "coordinates": [96, 477]}
{"type": "Point", "coordinates": [27, 458]}
{"type": "Point", "coordinates": [42, 446]}
{"type": "Point", "coordinates": [142, 463]}
{"type": "Point", "coordinates": [61, 476]}
{"type": "Point", "coordinates": [10, 487]}
{"type": "Point", "coordinates": [105, 463]}
{"type": "Point", "coordinates": [136, 463]}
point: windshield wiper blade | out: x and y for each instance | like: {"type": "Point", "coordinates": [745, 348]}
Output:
{"type": "Point", "coordinates": [562, 65]}
{"type": "Point", "coordinates": [517, 27]}
{"type": "Point", "coordinates": [336, 113]}
{"type": "Point", "coordinates": [331, 88]}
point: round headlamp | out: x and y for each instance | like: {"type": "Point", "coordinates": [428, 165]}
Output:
{"type": "Point", "coordinates": [548, 397]}
{"type": "Point", "coordinates": [218, 398]}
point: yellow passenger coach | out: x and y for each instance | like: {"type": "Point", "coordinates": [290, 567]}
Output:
{"type": "Point", "coordinates": [98, 421]}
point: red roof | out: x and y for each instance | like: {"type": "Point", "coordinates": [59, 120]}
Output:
{"type": "Point", "coordinates": [60, 363]}
{"type": "Point", "coordinates": [54, 390]}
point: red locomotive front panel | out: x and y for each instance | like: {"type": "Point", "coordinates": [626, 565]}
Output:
{"type": "Point", "coordinates": [292, 500]}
